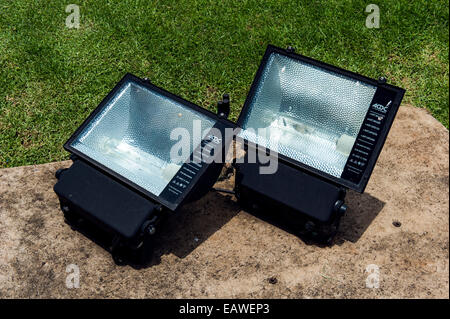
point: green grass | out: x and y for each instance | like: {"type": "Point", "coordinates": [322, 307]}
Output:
{"type": "Point", "coordinates": [52, 77]}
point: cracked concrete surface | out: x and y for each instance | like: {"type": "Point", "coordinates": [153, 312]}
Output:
{"type": "Point", "coordinates": [214, 249]}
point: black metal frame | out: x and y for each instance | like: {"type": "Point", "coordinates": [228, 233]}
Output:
{"type": "Point", "coordinates": [397, 92]}
{"type": "Point", "coordinates": [220, 123]}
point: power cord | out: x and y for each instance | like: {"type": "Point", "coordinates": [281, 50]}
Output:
{"type": "Point", "coordinates": [224, 190]}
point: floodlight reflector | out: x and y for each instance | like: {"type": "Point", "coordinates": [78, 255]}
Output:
{"type": "Point", "coordinates": [320, 118]}
{"type": "Point", "coordinates": [131, 135]}
{"type": "Point", "coordinates": [310, 114]}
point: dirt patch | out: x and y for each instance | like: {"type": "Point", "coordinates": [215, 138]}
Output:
{"type": "Point", "coordinates": [214, 249]}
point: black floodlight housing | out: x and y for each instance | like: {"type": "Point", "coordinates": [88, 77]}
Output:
{"type": "Point", "coordinates": [325, 126]}
{"type": "Point", "coordinates": [124, 178]}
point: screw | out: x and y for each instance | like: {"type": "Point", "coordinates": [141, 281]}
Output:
{"type": "Point", "coordinates": [151, 230]}
{"type": "Point", "coordinates": [382, 80]}
{"type": "Point", "coordinates": [343, 209]}
{"type": "Point", "coordinates": [340, 207]}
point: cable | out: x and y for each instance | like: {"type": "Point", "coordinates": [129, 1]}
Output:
{"type": "Point", "coordinates": [223, 190]}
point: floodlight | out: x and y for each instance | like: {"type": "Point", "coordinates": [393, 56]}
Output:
{"type": "Point", "coordinates": [126, 174]}
{"type": "Point", "coordinates": [326, 126]}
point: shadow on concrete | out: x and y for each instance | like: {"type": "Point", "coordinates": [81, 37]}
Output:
{"type": "Point", "coordinates": [362, 210]}
{"type": "Point", "coordinates": [182, 232]}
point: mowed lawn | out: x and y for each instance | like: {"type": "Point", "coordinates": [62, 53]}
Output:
{"type": "Point", "coordinates": [52, 77]}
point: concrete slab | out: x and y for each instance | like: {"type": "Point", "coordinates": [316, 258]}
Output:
{"type": "Point", "coordinates": [214, 249]}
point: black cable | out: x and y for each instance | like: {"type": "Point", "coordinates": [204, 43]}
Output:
{"type": "Point", "coordinates": [223, 190]}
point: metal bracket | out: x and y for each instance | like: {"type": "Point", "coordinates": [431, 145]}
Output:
{"type": "Point", "coordinates": [290, 49]}
{"type": "Point", "coordinates": [223, 106]}
{"type": "Point", "coordinates": [382, 80]}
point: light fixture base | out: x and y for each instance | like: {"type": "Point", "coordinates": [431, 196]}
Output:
{"type": "Point", "coordinates": [312, 209]}
{"type": "Point", "coordinates": [109, 213]}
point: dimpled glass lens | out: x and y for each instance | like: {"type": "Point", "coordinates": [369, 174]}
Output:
{"type": "Point", "coordinates": [307, 113]}
{"type": "Point", "coordinates": [131, 135]}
